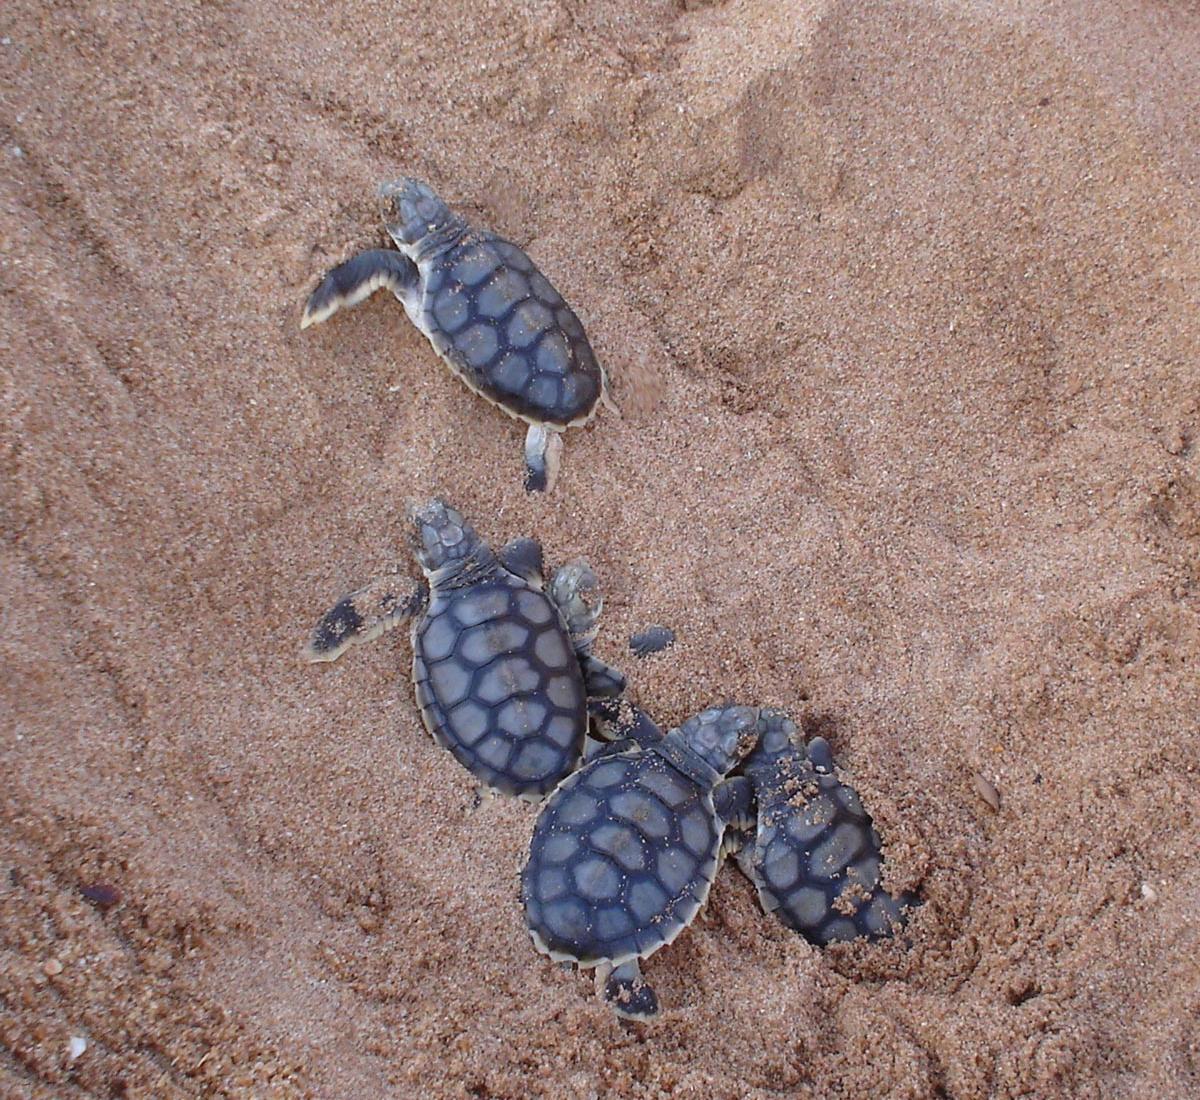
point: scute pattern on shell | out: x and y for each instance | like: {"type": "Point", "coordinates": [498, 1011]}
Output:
{"type": "Point", "coordinates": [499, 684]}
{"type": "Point", "coordinates": [817, 858]}
{"type": "Point", "coordinates": [502, 326]}
{"type": "Point", "coordinates": [621, 860]}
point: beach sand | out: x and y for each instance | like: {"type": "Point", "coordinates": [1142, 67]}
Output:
{"type": "Point", "coordinates": [900, 306]}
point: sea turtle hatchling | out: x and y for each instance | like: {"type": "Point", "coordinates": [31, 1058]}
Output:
{"type": "Point", "coordinates": [814, 855]}
{"type": "Point", "coordinates": [488, 312]}
{"type": "Point", "coordinates": [503, 668]}
{"type": "Point", "coordinates": [625, 850]}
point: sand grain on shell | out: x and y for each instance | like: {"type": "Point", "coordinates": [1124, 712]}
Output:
{"type": "Point", "coordinates": [900, 306]}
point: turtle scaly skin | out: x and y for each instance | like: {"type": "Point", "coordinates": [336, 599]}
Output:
{"type": "Point", "coordinates": [487, 310]}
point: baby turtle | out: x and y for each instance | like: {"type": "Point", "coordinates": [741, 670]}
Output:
{"type": "Point", "coordinates": [488, 312]}
{"type": "Point", "coordinates": [624, 852]}
{"type": "Point", "coordinates": [503, 669]}
{"type": "Point", "coordinates": [815, 856]}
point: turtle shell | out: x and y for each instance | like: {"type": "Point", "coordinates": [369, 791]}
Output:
{"type": "Point", "coordinates": [499, 684]}
{"type": "Point", "coordinates": [817, 860]}
{"type": "Point", "coordinates": [621, 860]}
{"type": "Point", "coordinates": [507, 333]}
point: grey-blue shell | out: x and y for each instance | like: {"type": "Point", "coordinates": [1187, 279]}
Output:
{"type": "Point", "coordinates": [499, 684]}
{"type": "Point", "coordinates": [621, 860]}
{"type": "Point", "coordinates": [507, 332]}
{"type": "Point", "coordinates": [817, 860]}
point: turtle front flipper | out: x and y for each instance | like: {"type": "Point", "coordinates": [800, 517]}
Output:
{"type": "Point", "coordinates": [576, 593]}
{"type": "Point", "coordinates": [383, 604]}
{"type": "Point", "coordinates": [739, 843]}
{"type": "Point", "coordinates": [734, 802]}
{"type": "Point", "coordinates": [628, 993]}
{"type": "Point", "coordinates": [543, 451]}
{"type": "Point", "coordinates": [652, 640]}
{"type": "Point", "coordinates": [593, 749]}
{"type": "Point", "coordinates": [357, 279]}
{"type": "Point", "coordinates": [820, 755]}
{"type": "Point", "coordinates": [618, 720]}
{"type": "Point", "coordinates": [602, 681]}
{"type": "Point", "coordinates": [524, 558]}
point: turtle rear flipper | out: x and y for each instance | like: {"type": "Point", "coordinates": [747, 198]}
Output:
{"type": "Point", "coordinates": [543, 451]}
{"type": "Point", "coordinates": [373, 610]}
{"type": "Point", "coordinates": [628, 993]}
{"type": "Point", "coordinates": [357, 279]}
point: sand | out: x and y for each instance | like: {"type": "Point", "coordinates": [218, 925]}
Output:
{"type": "Point", "coordinates": [900, 305]}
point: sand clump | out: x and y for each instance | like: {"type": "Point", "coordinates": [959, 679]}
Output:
{"type": "Point", "coordinates": [900, 306]}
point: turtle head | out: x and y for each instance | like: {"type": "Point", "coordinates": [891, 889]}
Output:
{"type": "Point", "coordinates": [776, 736]}
{"type": "Point", "coordinates": [418, 221]}
{"type": "Point", "coordinates": [721, 736]}
{"type": "Point", "coordinates": [780, 757]}
{"type": "Point", "coordinates": [443, 540]}
{"type": "Point", "coordinates": [576, 594]}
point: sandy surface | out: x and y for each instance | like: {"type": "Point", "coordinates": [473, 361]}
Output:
{"type": "Point", "coordinates": [901, 309]}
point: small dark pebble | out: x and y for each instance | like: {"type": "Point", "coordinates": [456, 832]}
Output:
{"type": "Point", "coordinates": [101, 894]}
{"type": "Point", "coordinates": [653, 640]}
